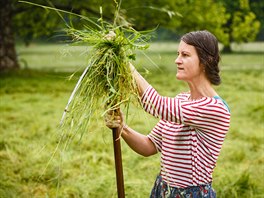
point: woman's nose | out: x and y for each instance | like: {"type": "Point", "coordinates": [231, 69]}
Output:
{"type": "Point", "coordinates": [178, 60]}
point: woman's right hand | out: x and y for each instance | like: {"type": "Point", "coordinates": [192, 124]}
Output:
{"type": "Point", "coordinates": [138, 142]}
{"type": "Point", "coordinates": [114, 119]}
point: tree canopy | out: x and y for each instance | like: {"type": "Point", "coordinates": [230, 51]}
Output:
{"type": "Point", "coordinates": [230, 21]}
{"type": "Point", "coordinates": [242, 25]}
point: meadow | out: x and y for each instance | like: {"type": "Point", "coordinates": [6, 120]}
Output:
{"type": "Point", "coordinates": [32, 101]}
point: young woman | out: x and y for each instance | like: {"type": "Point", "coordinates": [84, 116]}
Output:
{"type": "Point", "coordinates": [192, 125]}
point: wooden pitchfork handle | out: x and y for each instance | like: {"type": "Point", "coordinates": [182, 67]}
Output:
{"type": "Point", "coordinates": [118, 163]}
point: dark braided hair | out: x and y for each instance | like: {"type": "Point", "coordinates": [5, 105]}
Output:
{"type": "Point", "coordinates": [206, 46]}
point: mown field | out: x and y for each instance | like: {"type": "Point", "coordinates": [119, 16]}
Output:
{"type": "Point", "coordinates": [32, 101]}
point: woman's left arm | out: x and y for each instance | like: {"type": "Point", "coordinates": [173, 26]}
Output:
{"type": "Point", "coordinates": [205, 113]}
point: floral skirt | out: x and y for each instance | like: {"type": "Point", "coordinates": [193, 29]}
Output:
{"type": "Point", "coordinates": [163, 190]}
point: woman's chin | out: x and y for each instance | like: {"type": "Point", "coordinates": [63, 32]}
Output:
{"type": "Point", "coordinates": [178, 77]}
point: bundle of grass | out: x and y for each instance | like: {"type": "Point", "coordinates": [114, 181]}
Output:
{"type": "Point", "coordinates": [107, 81]}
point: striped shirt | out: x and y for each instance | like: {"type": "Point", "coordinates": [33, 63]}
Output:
{"type": "Point", "coordinates": [189, 135]}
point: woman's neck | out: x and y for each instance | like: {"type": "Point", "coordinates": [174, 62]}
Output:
{"type": "Point", "coordinates": [201, 89]}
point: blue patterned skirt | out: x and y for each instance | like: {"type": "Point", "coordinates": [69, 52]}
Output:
{"type": "Point", "coordinates": [162, 190]}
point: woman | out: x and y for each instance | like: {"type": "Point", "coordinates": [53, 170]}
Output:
{"type": "Point", "coordinates": [192, 125]}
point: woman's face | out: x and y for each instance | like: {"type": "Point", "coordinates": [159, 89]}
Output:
{"type": "Point", "coordinates": [188, 64]}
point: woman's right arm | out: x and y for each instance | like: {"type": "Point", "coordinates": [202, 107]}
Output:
{"type": "Point", "coordinates": [140, 143]}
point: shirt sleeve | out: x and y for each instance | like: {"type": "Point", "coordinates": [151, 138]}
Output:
{"type": "Point", "coordinates": [156, 135]}
{"type": "Point", "coordinates": [204, 113]}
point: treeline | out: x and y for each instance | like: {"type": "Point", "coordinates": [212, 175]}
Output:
{"type": "Point", "coordinates": [231, 21]}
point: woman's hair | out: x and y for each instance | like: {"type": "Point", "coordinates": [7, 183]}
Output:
{"type": "Point", "coordinates": [206, 46]}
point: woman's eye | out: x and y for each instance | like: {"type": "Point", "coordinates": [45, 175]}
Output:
{"type": "Point", "coordinates": [182, 54]}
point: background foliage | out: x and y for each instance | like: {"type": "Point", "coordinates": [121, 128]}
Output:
{"type": "Point", "coordinates": [230, 21]}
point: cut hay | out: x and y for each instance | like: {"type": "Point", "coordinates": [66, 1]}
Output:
{"type": "Point", "coordinates": [106, 83]}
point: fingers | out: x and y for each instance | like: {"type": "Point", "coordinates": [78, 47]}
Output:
{"type": "Point", "coordinates": [113, 119]}
{"type": "Point", "coordinates": [113, 124]}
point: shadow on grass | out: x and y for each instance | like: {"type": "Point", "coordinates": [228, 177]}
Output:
{"type": "Point", "coordinates": [29, 80]}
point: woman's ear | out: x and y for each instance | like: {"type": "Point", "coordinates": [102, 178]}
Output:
{"type": "Point", "coordinates": [202, 67]}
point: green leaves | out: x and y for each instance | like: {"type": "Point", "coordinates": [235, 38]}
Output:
{"type": "Point", "coordinates": [244, 27]}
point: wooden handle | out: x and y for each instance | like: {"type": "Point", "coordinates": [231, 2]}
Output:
{"type": "Point", "coordinates": [118, 163]}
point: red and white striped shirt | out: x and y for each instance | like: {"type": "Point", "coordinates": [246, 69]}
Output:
{"type": "Point", "coordinates": [189, 135]}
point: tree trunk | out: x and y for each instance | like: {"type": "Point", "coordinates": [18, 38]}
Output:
{"type": "Point", "coordinates": [8, 56]}
{"type": "Point", "coordinates": [227, 49]}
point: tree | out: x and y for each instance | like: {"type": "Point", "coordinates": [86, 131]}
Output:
{"type": "Point", "coordinates": [8, 57]}
{"type": "Point", "coordinates": [242, 25]}
{"type": "Point", "coordinates": [29, 22]}
{"type": "Point", "coordinates": [208, 14]}
{"type": "Point", "coordinates": [229, 20]}
{"type": "Point", "coordinates": [9, 10]}
{"type": "Point", "coordinates": [257, 6]}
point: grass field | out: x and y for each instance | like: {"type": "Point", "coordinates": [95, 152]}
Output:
{"type": "Point", "coordinates": [32, 102]}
